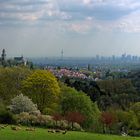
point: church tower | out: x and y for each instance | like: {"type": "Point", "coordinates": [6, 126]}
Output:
{"type": "Point", "coordinates": [3, 55]}
{"type": "Point", "coordinates": [3, 58]}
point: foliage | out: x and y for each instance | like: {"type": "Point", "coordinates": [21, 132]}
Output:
{"type": "Point", "coordinates": [89, 87]}
{"type": "Point", "coordinates": [10, 81]}
{"type": "Point", "coordinates": [48, 111]}
{"type": "Point", "coordinates": [42, 87]}
{"type": "Point", "coordinates": [22, 104]}
{"type": "Point", "coordinates": [74, 117]}
{"type": "Point", "coordinates": [77, 127]}
{"type": "Point", "coordinates": [35, 120]}
{"type": "Point", "coordinates": [134, 76]}
{"type": "Point", "coordinates": [72, 104]}
{"type": "Point", "coordinates": [124, 117]}
{"type": "Point", "coordinates": [135, 133]}
{"type": "Point", "coordinates": [112, 92]}
{"type": "Point", "coordinates": [107, 119]}
{"type": "Point", "coordinates": [52, 108]}
{"type": "Point", "coordinates": [74, 101]}
{"type": "Point", "coordinates": [119, 92]}
{"type": "Point", "coordinates": [135, 116]}
{"type": "Point", "coordinates": [57, 117]}
{"type": "Point", "coordinates": [61, 124]}
{"type": "Point", "coordinates": [6, 116]}
{"type": "Point", "coordinates": [136, 109]}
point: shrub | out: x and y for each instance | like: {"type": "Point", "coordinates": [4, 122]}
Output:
{"type": "Point", "coordinates": [23, 118]}
{"type": "Point", "coordinates": [77, 127]}
{"type": "Point", "coordinates": [64, 124]}
{"type": "Point", "coordinates": [37, 112]}
{"type": "Point", "coordinates": [134, 133]}
{"type": "Point", "coordinates": [6, 116]}
{"type": "Point", "coordinates": [35, 120]}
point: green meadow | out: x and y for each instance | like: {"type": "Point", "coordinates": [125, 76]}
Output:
{"type": "Point", "coordinates": [43, 134]}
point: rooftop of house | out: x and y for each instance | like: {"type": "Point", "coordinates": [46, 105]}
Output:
{"type": "Point", "coordinates": [19, 58]}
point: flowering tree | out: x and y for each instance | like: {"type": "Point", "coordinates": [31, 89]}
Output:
{"type": "Point", "coordinates": [22, 104]}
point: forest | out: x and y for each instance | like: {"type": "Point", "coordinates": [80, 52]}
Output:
{"type": "Point", "coordinates": [34, 97]}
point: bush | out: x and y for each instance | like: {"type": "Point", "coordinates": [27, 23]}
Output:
{"type": "Point", "coordinates": [62, 124]}
{"type": "Point", "coordinates": [6, 116]}
{"type": "Point", "coordinates": [77, 127]}
{"type": "Point", "coordinates": [134, 133]}
{"type": "Point", "coordinates": [37, 112]}
{"type": "Point", "coordinates": [25, 118]}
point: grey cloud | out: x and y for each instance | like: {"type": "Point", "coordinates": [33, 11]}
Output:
{"type": "Point", "coordinates": [45, 10]}
{"type": "Point", "coordinates": [102, 12]}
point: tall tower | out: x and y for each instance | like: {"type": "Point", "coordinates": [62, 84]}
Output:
{"type": "Point", "coordinates": [3, 58]}
{"type": "Point", "coordinates": [3, 55]}
{"type": "Point", "coordinates": [62, 54]}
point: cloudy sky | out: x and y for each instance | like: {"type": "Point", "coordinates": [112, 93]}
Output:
{"type": "Point", "coordinates": [79, 27]}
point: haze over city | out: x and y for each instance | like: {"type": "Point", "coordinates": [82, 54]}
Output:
{"type": "Point", "coordinates": [82, 28]}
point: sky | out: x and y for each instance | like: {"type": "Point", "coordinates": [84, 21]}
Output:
{"type": "Point", "coordinates": [82, 28]}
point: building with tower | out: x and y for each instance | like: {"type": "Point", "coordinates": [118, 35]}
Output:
{"type": "Point", "coordinates": [3, 58]}
{"type": "Point", "coordinates": [12, 62]}
{"type": "Point", "coordinates": [20, 60]}
{"type": "Point", "coordinates": [3, 55]}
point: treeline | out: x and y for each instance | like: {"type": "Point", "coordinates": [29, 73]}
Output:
{"type": "Point", "coordinates": [36, 97]}
{"type": "Point", "coordinates": [118, 93]}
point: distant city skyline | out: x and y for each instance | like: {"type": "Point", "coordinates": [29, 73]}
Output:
{"type": "Point", "coordinates": [97, 56]}
{"type": "Point", "coordinates": [62, 55]}
{"type": "Point", "coordinates": [81, 28]}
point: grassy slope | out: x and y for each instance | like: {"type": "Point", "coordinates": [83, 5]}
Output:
{"type": "Point", "coordinates": [42, 134]}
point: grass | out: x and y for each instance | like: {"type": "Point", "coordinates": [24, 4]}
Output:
{"type": "Point", "coordinates": [42, 134]}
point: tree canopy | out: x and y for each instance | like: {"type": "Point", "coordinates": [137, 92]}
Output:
{"type": "Point", "coordinates": [10, 81]}
{"type": "Point", "coordinates": [42, 87]}
{"type": "Point", "coordinates": [73, 100]}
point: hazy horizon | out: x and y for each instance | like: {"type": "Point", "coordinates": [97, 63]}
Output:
{"type": "Point", "coordinates": [82, 28]}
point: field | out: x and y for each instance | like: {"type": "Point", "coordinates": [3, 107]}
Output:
{"type": "Point", "coordinates": [42, 134]}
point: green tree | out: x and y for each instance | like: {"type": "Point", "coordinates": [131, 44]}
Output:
{"type": "Point", "coordinates": [127, 119]}
{"type": "Point", "coordinates": [74, 101]}
{"type": "Point", "coordinates": [107, 119]}
{"type": "Point", "coordinates": [136, 109]}
{"type": "Point", "coordinates": [10, 82]}
{"type": "Point", "coordinates": [42, 87]}
{"type": "Point", "coordinates": [119, 92]}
